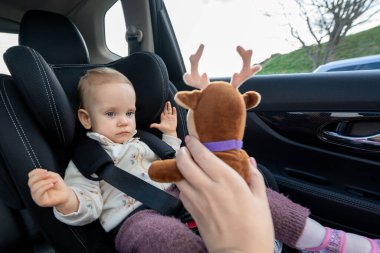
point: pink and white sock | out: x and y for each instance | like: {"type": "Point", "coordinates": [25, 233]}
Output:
{"type": "Point", "coordinates": [312, 235]}
{"type": "Point", "coordinates": [375, 245]}
{"type": "Point", "coordinates": [336, 241]}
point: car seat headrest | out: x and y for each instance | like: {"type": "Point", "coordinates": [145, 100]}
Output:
{"type": "Point", "coordinates": [51, 91]}
{"type": "Point", "coordinates": [146, 71]}
{"type": "Point", "coordinates": [54, 36]}
{"type": "Point", "coordinates": [42, 93]}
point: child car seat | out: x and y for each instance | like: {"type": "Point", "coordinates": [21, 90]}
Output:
{"type": "Point", "coordinates": [38, 113]}
{"type": "Point", "coordinates": [40, 129]}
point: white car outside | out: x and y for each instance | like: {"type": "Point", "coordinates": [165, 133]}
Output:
{"type": "Point", "coordinates": [360, 63]}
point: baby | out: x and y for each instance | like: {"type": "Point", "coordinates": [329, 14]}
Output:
{"type": "Point", "coordinates": [107, 111]}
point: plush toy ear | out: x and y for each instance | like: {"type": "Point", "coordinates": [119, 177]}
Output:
{"type": "Point", "coordinates": [251, 99]}
{"type": "Point", "coordinates": [188, 99]}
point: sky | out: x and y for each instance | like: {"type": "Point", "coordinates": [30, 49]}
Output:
{"type": "Point", "coordinates": [6, 41]}
{"type": "Point", "coordinates": [219, 24]}
{"type": "Point", "coordinates": [223, 24]}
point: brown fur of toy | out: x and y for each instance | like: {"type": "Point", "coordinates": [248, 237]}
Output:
{"type": "Point", "coordinates": [216, 113]}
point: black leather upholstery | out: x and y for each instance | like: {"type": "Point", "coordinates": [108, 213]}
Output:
{"type": "Point", "coordinates": [51, 91]}
{"type": "Point", "coordinates": [54, 36]}
{"type": "Point", "coordinates": [10, 241]}
{"type": "Point", "coordinates": [51, 107]}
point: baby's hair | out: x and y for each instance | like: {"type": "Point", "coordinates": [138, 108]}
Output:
{"type": "Point", "coordinates": [99, 76]}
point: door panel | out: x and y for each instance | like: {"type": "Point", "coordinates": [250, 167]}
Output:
{"type": "Point", "coordinates": [289, 134]}
{"type": "Point", "coordinates": [338, 178]}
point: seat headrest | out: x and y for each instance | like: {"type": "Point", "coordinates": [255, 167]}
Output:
{"type": "Point", "coordinates": [51, 91]}
{"type": "Point", "coordinates": [42, 93]}
{"type": "Point", "coordinates": [54, 36]}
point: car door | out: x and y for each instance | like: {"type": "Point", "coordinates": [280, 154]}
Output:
{"type": "Point", "coordinates": [318, 133]}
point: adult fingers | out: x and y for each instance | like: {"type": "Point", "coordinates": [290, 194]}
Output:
{"type": "Point", "coordinates": [183, 185]}
{"type": "Point", "coordinates": [189, 169]}
{"type": "Point", "coordinates": [187, 195]}
{"type": "Point", "coordinates": [206, 160]}
{"type": "Point", "coordinates": [256, 180]}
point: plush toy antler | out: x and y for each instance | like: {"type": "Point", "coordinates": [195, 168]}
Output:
{"type": "Point", "coordinates": [216, 116]}
{"type": "Point", "coordinates": [246, 71]}
{"type": "Point", "coordinates": [194, 79]}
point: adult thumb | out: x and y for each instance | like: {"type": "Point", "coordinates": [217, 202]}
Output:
{"type": "Point", "coordinates": [256, 181]}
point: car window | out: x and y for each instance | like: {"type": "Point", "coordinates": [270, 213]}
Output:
{"type": "Point", "coordinates": [264, 27]}
{"type": "Point", "coordinates": [221, 26]}
{"type": "Point", "coordinates": [115, 30]}
{"type": "Point", "coordinates": [373, 65]}
{"type": "Point", "coordinates": [7, 40]}
{"type": "Point", "coordinates": [347, 68]}
{"type": "Point", "coordinates": [368, 66]}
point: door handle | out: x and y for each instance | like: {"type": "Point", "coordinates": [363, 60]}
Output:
{"type": "Point", "coordinates": [368, 141]}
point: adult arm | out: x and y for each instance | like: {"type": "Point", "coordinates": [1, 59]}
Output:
{"type": "Point", "coordinates": [231, 215]}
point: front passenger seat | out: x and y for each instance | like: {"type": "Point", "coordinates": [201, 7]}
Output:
{"type": "Point", "coordinates": [54, 36]}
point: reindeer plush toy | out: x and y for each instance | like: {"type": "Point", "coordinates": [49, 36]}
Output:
{"type": "Point", "coordinates": [216, 116]}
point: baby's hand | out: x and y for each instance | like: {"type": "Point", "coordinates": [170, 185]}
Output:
{"type": "Point", "coordinates": [168, 124]}
{"type": "Point", "coordinates": [48, 188]}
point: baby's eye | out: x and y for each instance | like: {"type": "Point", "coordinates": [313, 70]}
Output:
{"type": "Point", "coordinates": [110, 114]}
{"type": "Point", "coordinates": [130, 114]}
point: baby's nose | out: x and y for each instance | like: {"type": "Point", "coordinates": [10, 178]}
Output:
{"type": "Point", "coordinates": [123, 120]}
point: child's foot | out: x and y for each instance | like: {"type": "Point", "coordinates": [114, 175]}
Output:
{"type": "Point", "coordinates": [336, 241]}
{"type": "Point", "coordinates": [375, 245]}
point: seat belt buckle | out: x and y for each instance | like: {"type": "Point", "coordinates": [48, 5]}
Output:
{"type": "Point", "coordinates": [133, 33]}
{"type": "Point", "coordinates": [189, 222]}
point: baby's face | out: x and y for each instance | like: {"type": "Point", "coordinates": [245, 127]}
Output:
{"type": "Point", "coordinates": [111, 109]}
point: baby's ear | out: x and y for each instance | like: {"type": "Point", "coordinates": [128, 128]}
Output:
{"type": "Point", "coordinates": [188, 99]}
{"type": "Point", "coordinates": [84, 118]}
{"type": "Point", "coordinates": [251, 99]}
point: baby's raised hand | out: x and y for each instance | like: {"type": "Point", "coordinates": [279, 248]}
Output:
{"type": "Point", "coordinates": [168, 124]}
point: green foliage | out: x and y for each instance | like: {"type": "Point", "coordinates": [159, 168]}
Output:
{"type": "Point", "coordinates": [356, 45]}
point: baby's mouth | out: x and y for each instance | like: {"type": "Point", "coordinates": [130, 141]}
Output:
{"type": "Point", "coordinates": [123, 133]}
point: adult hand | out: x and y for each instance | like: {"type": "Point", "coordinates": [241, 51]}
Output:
{"type": "Point", "coordinates": [229, 213]}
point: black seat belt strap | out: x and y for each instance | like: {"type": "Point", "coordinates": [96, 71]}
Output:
{"type": "Point", "coordinates": [137, 188]}
{"type": "Point", "coordinates": [159, 147]}
{"type": "Point", "coordinates": [90, 158]}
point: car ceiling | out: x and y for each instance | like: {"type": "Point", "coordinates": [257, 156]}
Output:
{"type": "Point", "coordinates": [86, 14]}
{"type": "Point", "coordinates": [14, 9]}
